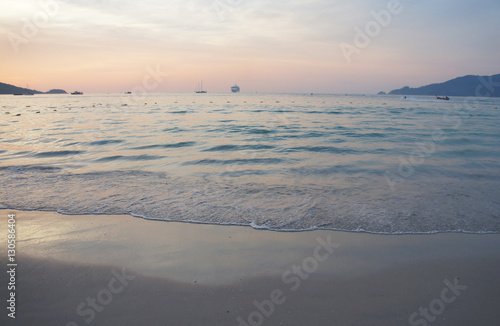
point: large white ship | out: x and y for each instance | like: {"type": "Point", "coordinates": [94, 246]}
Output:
{"type": "Point", "coordinates": [235, 89]}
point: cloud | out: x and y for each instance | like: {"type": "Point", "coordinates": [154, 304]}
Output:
{"type": "Point", "coordinates": [293, 36]}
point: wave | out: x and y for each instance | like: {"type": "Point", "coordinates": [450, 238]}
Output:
{"type": "Point", "coordinates": [56, 153]}
{"type": "Point", "coordinates": [322, 149]}
{"type": "Point", "coordinates": [129, 158]}
{"type": "Point", "coordinates": [250, 161]}
{"type": "Point", "coordinates": [228, 147]}
{"type": "Point", "coordinates": [350, 205]}
{"type": "Point", "coordinates": [173, 145]}
{"type": "Point", "coordinates": [179, 112]}
{"type": "Point", "coordinates": [105, 142]}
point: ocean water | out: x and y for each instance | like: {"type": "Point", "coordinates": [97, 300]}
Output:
{"type": "Point", "coordinates": [378, 164]}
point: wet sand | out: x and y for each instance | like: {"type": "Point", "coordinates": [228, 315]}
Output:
{"type": "Point", "coordinates": [121, 270]}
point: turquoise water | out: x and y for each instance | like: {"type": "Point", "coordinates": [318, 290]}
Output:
{"type": "Point", "coordinates": [283, 162]}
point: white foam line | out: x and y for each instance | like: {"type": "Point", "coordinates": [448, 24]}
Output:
{"type": "Point", "coordinates": [255, 226]}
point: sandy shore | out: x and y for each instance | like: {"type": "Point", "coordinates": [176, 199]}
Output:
{"type": "Point", "coordinates": [121, 270]}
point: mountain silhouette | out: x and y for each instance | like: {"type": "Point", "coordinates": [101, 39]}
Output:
{"type": "Point", "coordinates": [480, 86]}
{"type": "Point", "coordinates": [11, 89]}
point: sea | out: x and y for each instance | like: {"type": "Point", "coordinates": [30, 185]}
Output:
{"type": "Point", "coordinates": [280, 162]}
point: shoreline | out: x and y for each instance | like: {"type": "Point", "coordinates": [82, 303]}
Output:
{"type": "Point", "coordinates": [257, 227]}
{"type": "Point", "coordinates": [197, 274]}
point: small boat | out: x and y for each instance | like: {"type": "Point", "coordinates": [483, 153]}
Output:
{"type": "Point", "coordinates": [77, 93]}
{"type": "Point", "coordinates": [200, 88]}
{"type": "Point", "coordinates": [235, 88]}
{"type": "Point", "coordinates": [446, 98]}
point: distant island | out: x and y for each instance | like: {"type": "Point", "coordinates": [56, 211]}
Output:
{"type": "Point", "coordinates": [461, 86]}
{"type": "Point", "coordinates": [57, 91]}
{"type": "Point", "coordinates": [11, 89]}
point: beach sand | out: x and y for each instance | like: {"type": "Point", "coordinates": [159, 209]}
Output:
{"type": "Point", "coordinates": [121, 270]}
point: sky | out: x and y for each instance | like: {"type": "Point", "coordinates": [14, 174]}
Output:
{"type": "Point", "coordinates": [272, 46]}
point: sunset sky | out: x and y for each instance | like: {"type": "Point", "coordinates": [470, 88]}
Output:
{"type": "Point", "coordinates": [286, 46]}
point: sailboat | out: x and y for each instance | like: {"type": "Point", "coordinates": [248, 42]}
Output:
{"type": "Point", "coordinates": [200, 90]}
